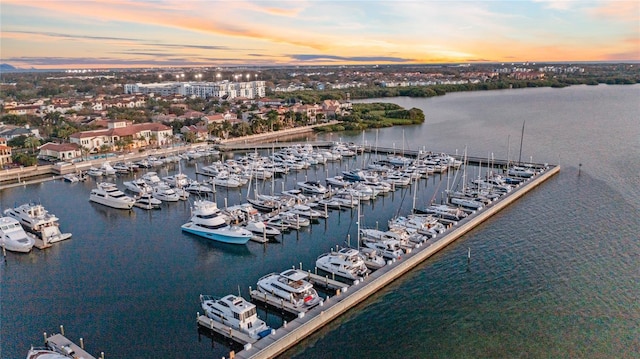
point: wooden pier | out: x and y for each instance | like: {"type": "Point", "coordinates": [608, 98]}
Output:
{"type": "Point", "coordinates": [315, 318]}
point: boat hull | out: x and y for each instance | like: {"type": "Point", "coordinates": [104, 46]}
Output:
{"type": "Point", "coordinates": [220, 237]}
{"type": "Point", "coordinates": [112, 204]}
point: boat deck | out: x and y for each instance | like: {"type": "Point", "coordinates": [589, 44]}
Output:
{"type": "Point", "coordinates": [60, 343]}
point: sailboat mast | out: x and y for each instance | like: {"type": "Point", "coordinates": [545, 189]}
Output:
{"type": "Point", "coordinates": [521, 137]}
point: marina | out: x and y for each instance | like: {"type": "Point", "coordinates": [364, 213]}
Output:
{"type": "Point", "coordinates": [293, 292]}
{"type": "Point", "coordinates": [202, 261]}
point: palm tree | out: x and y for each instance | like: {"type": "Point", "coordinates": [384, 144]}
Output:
{"type": "Point", "coordinates": [31, 142]}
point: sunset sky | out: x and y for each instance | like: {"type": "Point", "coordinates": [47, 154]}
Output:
{"type": "Point", "coordinates": [143, 33]}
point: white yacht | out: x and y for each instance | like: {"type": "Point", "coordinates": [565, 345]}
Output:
{"type": "Point", "coordinates": [313, 187]}
{"type": "Point", "coordinates": [388, 248]}
{"type": "Point", "coordinates": [520, 171]}
{"type": "Point", "coordinates": [305, 211]}
{"type": "Point", "coordinates": [71, 177]}
{"type": "Point", "coordinates": [95, 172]}
{"type": "Point", "coordinates": [45, 353]}
{"type": "Point", "coordinates": [260, 228]}
{"type": "Point", "coordinates": [337, 182]}
{"type": "Point", "coordinates": [138, 186]}
{"type": "Point", "coordinates": [165, 193]}
{"type": "Point", "coordinates": [291, 286]}
{"type": "Point", "coordinates": [207, 221]}
{"type": "Point", "coordinates": [443, 211]}
{"type": "Point", "coordinates": [107, 169]}
{"type": "Point", "coordinates": [198, 188]}
{"type": "Point", "coordinates": [346, 263]}
{"type": "Point", "coordinates": [237, 313]}
{"type": "Point", "coordinates": [151, 178]}
{"type": "Point", "coordinates": [224, 180]}
{"type": "Point", "coordinates": [13, 237]}
{"type": "Point", "coordinates": [147, 201]}
{"type": "Point", "coordinates": [35, 219]}
{"type": "Point", "coordinates": [372, 259]}
{"type": "Point", "coordinates": [177, 180]}
{"type": "Point", "coordinates": [109, 195]}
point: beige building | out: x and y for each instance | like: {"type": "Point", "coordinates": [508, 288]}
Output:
{"type": "Point", "coordinates": [125, 135]}
{"type": "Point", "coordinates": [60, 151]}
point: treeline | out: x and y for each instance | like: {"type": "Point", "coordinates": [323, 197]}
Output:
{"type": "Point", "coordinates": [376, 115]}
{"type": "Point", "coordinates": [316, 96]}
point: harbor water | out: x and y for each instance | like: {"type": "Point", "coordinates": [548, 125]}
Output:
{"type": "Point", "coordinates": [554, 275]}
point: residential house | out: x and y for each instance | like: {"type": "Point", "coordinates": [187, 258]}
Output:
{"type": "Point", "coordinates": [60, 151]}
{"type": "Point", "coordinates": [119, 132]}
{"type": "Point", "coordinates": [200, 132]}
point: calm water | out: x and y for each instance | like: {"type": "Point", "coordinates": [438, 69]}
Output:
{"type": "Point", "coordinates": [554, 275]}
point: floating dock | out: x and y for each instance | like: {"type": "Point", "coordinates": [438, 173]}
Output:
{"type": "Point", "coordinates": [224, 330]}
{"type": "Point", "coordinates": [278, 302]}
{"type": "Point", "coordinates": [307, 323]}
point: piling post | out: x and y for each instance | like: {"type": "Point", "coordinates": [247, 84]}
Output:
{"type": "Point", "coordinates": [45, 337]}
{"type": "Point", "coordinates": [62, 329]}
{"type": "Point", "coordinates": [81, 343]}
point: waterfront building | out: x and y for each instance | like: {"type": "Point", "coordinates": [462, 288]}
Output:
{"type": "Point", "coordinates": [222, 89]}
{"type": "Point", "coordinates": [60, 151]}
{"type": "Point", "coordinates": [134, 135]}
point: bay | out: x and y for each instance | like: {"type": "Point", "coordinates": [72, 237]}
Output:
{"type": "Point", "coordinates": [554, 275]}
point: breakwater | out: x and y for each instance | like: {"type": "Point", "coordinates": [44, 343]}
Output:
{"type": "Point", "coordinates": [302, 327]}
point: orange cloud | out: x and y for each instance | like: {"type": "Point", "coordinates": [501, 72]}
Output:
{"type": "Point", "coordinates": [619, 10]}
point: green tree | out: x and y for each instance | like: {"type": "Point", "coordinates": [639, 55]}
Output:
{"type": "Point", "coordinates": [31, 142]}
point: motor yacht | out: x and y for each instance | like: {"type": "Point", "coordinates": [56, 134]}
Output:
{"type": "Point", "coordinates": [196, 187]}
{"type": "Point", "coordinates": [260, 228]}
{"type": "Point", "coordinates": [313, 187]}
{"type": "Point", "coordinates": [147, 201]}
{"type": "Point", "coordinates": [207, 221]}
{"type": "Point", "coordinates": [177, 180]}
{"type": "Point", "coordinates": [151, 178]}
{"type": "Point", "coordinates": [443, 211]}
{"type": "Point", "coordinates": [337, 182]}
{"type": "Point", "coordinates": [372, 259]}
{"type": "Point", "coordinates": [109, 195]}
{"type": "Point", "coordinates": [236, 313]}
{"type": "Point", "coordinates": [165, 193]}
{"type": "Point", "coordinates": [345, 263]}
{"type": "Point", "coordinates": [306, 211]}
{"type": "Point", "coordinates": [138, 186]}
{"type": "Point", "coordinates": [95, 172]}
{"type": "Point", "coordinates": [36, 219]}
{"type": "Point", "coordinates": [225, 180]}
{"type": "Point", "coordinates": [13, 237]}
{"type": "Point", "coordinates": [292, 287]}
{"type": "Point", "coordinates": [107, 169]}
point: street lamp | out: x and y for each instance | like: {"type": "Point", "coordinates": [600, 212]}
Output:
{"type": "Point", "coordinates": [218, 77]}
